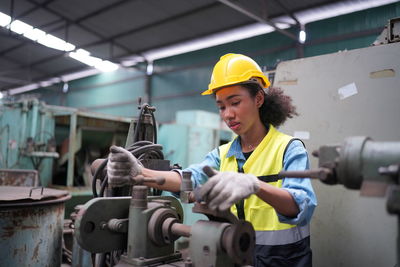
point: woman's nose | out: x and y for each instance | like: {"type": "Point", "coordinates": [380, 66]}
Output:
{"type": "Point", "coordinates": [228, 113]}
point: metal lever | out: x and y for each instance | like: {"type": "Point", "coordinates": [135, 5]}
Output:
{"type": "Point", "coordinates": [324, 174]}
{"type": "Point", "coordinates": [138, 180]}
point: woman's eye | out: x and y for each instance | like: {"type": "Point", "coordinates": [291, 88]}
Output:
{"type": "Point", "coordinates": [221, 108]}
{"type": "Point", "coordinates": [235, 103]}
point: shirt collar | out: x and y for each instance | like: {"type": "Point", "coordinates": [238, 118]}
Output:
{"type": "Point", "coordinates": [235, 149]}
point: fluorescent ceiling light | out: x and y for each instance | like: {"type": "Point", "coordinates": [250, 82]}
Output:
{"type": "Point", "coordinates": [132, 60]}
{"type": "Point", "coordinates": [54, 42]}
{"type": "Point", "coordinates": [283, 22]}
{"type": "Point", "coordinates": [20, 27]}
{"type": "Point", "coordinates": [307, 16]}
{"type": "Point", "coordinates": [4, 19]}
{"type": "Point", "coordinates": [82, 52]}
{"type": "Point", "coordinates": [106, 66]}
{"type": "Point", "coordinates": [85, 57]}
{"type": "Point", "coordinates": [35, 34]}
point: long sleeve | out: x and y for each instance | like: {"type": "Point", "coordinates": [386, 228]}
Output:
{"type": "Point", "coordinates": [198, 176]}
{"type": "Point", "coordinates": [296, 158]}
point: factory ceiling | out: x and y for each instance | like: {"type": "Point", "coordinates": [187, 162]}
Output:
{"type": "Point", "coordinates": [115, 30]}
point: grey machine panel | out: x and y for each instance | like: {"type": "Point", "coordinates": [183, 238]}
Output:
{"type": "Point", "coordinates": [348, 93]}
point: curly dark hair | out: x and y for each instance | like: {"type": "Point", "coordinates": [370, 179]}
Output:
{"type": "Point", "coordinates": [277, 106]}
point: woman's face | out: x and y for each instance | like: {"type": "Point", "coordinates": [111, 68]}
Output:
{"type": "Point", "coordinates": [238, 109]}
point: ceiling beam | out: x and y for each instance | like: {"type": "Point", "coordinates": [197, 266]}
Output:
{"type": "Point", "coordinates": [154, 24]}
{"type": "Point", "coordinates": [32, 9]}
{"type": "Point", "coordinates": [112, 38]}
{"type": "Point", "coordinates": [77, 22]}
{"type": "Point", "coordinates": [13, 80]}
{"type": "Point", "coordinates": [287, 11]}
{"type": "Point", "coordinates": [319, 41]}
{"type": "Point", "coordinates": [257, 18]}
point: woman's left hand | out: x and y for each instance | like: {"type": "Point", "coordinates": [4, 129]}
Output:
{"type": "Point", "coordinates": [227, 188]}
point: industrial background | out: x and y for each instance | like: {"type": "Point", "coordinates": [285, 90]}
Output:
{"type": "Point", "coordinates": [59, 113]}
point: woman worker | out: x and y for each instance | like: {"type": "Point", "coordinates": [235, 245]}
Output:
{"type": "Point", "coordinates": [280, 210]}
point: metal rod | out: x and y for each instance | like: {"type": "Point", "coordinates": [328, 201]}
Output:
{"type": "Point", "coordinates": [287, 11]}
{"type": "Point", "coordinates": [257, 18]}
{"type": "Point", "coordinates": [71, 149]}
{"type": "Point", "coordinates": [319, 173]}
{"type": "Point", "coordinates": [35, 110]}
{"type": "Point", "coordinates": [23, 120]}
{"type": "Point", "coordinates": [181, 229]}
{"type": "Point", "coordinates": [42, 124]}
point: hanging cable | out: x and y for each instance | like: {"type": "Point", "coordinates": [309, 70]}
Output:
{"type": "Point", "coordinates": [142, 150]}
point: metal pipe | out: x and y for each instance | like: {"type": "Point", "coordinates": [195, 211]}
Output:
{"type": "Point", "coordinates": [42, 119]}
{"type": "Point", "coordinates": [148, 82]}
{"type": "Point", "coordinates": [71, 149]}
{"type": "Point", "coordinates": [181, 229]}
{"type": "Point", "coordinates": [137, 221]}
{"type": "Point", "coordinates": [35, 110]}
{"type": "Point", "coordinates": [23, 121]}
{"type": "Point", "coordinates": [319, 173]}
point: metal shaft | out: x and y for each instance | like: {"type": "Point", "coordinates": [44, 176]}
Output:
{"type": "Point", "coordinates": [320, 173]}
{"type": "Point", "coordinates": [181, 229]}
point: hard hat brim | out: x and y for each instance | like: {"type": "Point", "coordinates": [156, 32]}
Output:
{"type": "Point", "coordinates": [214, 90]}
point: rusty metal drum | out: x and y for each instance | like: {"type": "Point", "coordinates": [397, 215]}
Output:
{"type": "Point", "coordinates": [31, 226]}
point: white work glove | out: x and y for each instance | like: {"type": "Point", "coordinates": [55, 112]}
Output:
{"type": "Point", "coordinates": [122, 166]}
{"type": "Point", "coordinates": [224, 189]}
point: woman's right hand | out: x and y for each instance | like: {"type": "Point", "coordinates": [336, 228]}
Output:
{"type": "Point", "coordinates": [122, 166]}
{"type": "Point", "coordinates": [224, 189]}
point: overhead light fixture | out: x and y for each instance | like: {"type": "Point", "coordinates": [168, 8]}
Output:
{"type": "Point", "coordinates": [150, 68]}
{"type": "Point", "coordinates": [65, 87]}
{"type": "Point", "coordinates": [4, 19]}
{"type": "Point", "coordinates": [35, 34]}
{"type": "Point", "coordinates": [256, 29]}
{"type": "Point", "coordinates": [85, 57]}
{"type": "Point", "coordinates": [54, 42]}
{"type": "Point", "coordinates": [132, 60]}
{"type": "Point", "coordinates": [106, 66]}
{"type": "Point", "coordinates": [20, 27]}
{"type": "Point", "coordinates": [302, 34]}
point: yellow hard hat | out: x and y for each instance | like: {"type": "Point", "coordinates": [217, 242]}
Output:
{"type": "Point", "coordinates": [233, 69]}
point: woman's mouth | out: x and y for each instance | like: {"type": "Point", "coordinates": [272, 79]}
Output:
{"type": "Point", "coordinates": [234, 125]}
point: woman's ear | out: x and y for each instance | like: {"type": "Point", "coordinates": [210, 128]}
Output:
{"type": "Point", "coordinates": [259, 98]}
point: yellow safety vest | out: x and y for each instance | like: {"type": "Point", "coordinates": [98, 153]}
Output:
{"type": "Point", "coordinates": [266, 159]}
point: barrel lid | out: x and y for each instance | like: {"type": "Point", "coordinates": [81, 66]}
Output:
{"type": "Point", "coordinates": [20, 195]}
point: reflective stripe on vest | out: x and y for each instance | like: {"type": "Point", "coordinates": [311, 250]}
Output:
{"type": "Point", "coordinates": [282, 237]}
{"type": "Point", "coordinates": [266, 159]}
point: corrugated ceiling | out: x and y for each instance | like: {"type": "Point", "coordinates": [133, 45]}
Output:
{"type": "Point", "coordinates": [114, 29]}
